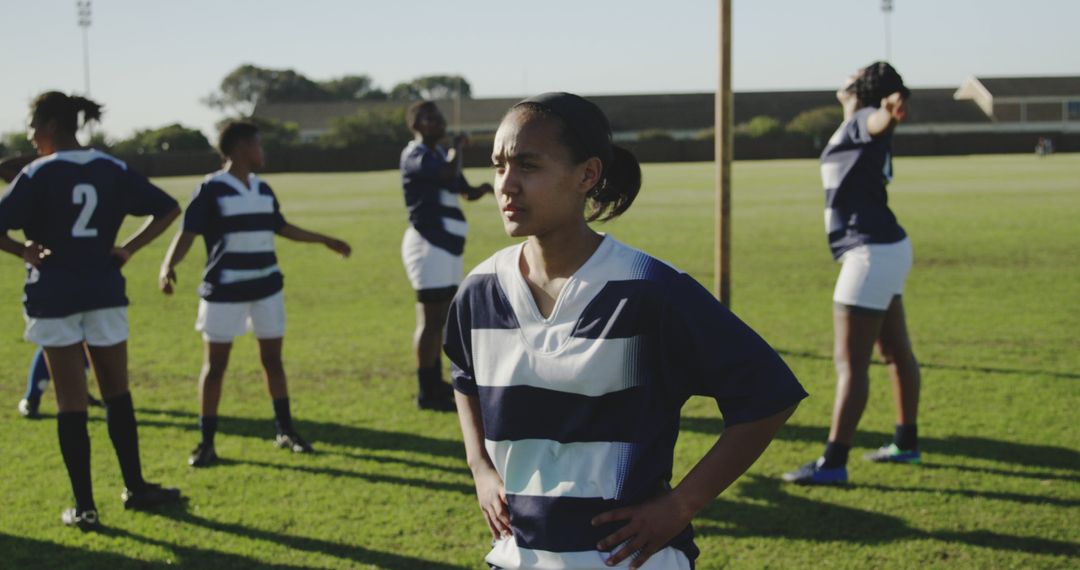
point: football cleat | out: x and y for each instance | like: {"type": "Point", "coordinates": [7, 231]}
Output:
{"type": "Point", "coordinates": [292, 441]}
{"type": "Point", "coordinates": [29, 408]}
{"type": "Point", "coordinates": [151, 495]}
{"type": "Point", "coordinates": [83, 520]}
{"type": "Point", "coordinates": [892, 454]}
{"type": "Point", "coordinates": [814, 474]}
{"type": "Point", "coordinates": [203, 455]}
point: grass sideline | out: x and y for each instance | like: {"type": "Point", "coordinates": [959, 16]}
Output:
{"type": "Point", "coordinates": [992, 304]}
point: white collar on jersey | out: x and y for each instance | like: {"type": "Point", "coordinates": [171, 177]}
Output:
{"type": "Point", "coordinates": [226, 177]}
{"type": "Point", "coordinates": [80, 156]}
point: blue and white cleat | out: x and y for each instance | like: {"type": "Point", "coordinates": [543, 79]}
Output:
{"type": "Point", "coordinates": [814, 474]}
{"type": "Point", "coordinates": [892, 454]}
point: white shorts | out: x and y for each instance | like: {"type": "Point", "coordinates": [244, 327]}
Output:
{"type": "Point", "coordinates": [222, 322]}
{"type": "Point", "coordinates": [100, 327]}
{"type": "Point", "coordinates": [429, 267]}
{"type": "Point", "coordinates": [872, 274]}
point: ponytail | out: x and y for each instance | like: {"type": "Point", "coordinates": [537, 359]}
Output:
{"type": "Point", "coordinates": [617, 189]}
{"type": "Point", "coordinates": [586, 132]}
{"type": "Point", "coordinates": [65, 110]}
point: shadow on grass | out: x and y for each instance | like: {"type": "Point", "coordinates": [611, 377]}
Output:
{"type": "Point", "coordinates": [794, 517]}
{"type": "Point", "coordinates": [22, 552]}
{"type": "Point", "coordinates": [356, 554]}
{"type": "Point", "coordinates": [1020, 454]}
{"type": "Point", "coordinates": [370, 477]}
{"type": "Point", "coordinates": [953, 367]}
{"type": "Point", "coordinates": [316, 432]}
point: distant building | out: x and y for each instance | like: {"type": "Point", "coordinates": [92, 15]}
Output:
{"type": "Point", "coordinates": [1045, 105]}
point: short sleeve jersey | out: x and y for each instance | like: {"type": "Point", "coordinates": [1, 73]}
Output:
{"type": "Point", "coordinates": [433, 205]}
{"type": "Point", "coordinates": [237, 222]}
{"type": "Point", "coordinates": [581, 409]}
{"type": "Point", "coordinates": [855, 168]}
{"type": "Point", "coordinates": [73, 203]}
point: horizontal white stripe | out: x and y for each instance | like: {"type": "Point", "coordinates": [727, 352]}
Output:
{"type": "Point", "coordinates": [246, 204]}
{"type": "Point", "coordinates": [237, 275]}
{"type": "Point", "coordinates": [507, 554]}
{"type": "Point", "coordinates": [456, 227]}
{"type": "Point", "coordinates": [545, 468]}
{"type": "Point", "coordinates": [256, 242]}
{"type": "Point", "coordinates": [250, 242]}
{"type": "Point", "coordinates": [830, 174]}
{"type": "Point", "coordinates": [448, 199]}
{"type": "Point", "coordinates": [590, 367]}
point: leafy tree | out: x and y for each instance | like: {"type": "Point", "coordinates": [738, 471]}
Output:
{"type": "Point", "coordinates": [353, 88]}
{"type": "Point", "coordinates": [817, 124]}
{"type": "Point", "coordinates": [170, 138]}
{"type": "Point", "coordinates": [760, 126]}
{"type": "Point", "coordinates": [367, 126]}
{"type": "Point", "coordinates": [249, 85]}
{"type": "Point", "coordinates": [433, 87]}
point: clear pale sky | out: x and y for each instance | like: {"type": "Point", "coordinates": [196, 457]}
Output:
{"type": "Point", "coordinates": [151, 61]}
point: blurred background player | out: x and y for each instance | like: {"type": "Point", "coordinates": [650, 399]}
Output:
{"type": "Point", "coordinates": [237, 214]}
{"type": "Point", "coordinates": [875, 256]}
{"type": "Point", "coordinates": [434, 242]}
{"type": "Point", "coordinates": [37, 379]}
{"type": "Point", "coordinates": [70, 204]}
{"type": "Point", "coordinates": [574, 354]}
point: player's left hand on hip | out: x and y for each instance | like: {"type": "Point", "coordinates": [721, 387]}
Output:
{"type": "Point", "coordinates": [648, 528]}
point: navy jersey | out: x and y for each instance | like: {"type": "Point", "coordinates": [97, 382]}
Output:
{"type": "Point", "coordinates": [432, 201]}
{"type": "Point", "coordinates": [238, 223]}
{"type": "Point", "coordinates": [73, 203]}
{"type": "Point", "coordinates": [581, 409]}
{"type": "Point", "coordinates": [855, 169]}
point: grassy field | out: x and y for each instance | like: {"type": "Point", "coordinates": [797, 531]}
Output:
{"type": "Point", "coordinates": [992, 304]}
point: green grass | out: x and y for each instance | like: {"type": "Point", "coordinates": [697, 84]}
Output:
{"type": "Point", "coordinates": [992, 305]}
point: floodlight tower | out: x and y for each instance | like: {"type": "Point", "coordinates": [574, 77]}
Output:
{"type": "Point", "coordinates": [886, 8]}
{"type": "Point", "coordinates": [83, 8]}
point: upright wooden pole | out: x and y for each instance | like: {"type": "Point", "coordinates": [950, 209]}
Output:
{"type": "Point", "coordinates": [723, 158]}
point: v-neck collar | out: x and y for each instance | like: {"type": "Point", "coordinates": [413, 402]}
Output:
{"type": "Point", "coordinates": [525, 304]}
{"type": "Point", "coordinates": [252, 186]}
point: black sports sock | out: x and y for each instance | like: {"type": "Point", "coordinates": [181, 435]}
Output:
{"type": "Point", "coordinates": [429, 379]}
{"type": "Point", "coordinates": [208, 427]}
{"type": "Point", "coordinates": [75, 447]}
{"type": "Point", "coordinates": [124, 433]}
{"type": "Point", "coordinates": [906, 437]}
{"type": "Point", "coordinates": [836, 455]}
{"type": "Point", "coordinates": [282, 416]}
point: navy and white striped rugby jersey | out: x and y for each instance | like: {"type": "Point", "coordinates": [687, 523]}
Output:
{"type": "Point", "coordinates": [581, 410]}
{"type": "Point", "coordinates": [855, 168]}
{"type": "Point", "coordinates": [433, 204]}
{"type": "Point", "coordinates": [73, 202]}
{"type": "Point", "coordinates": [238, 223]}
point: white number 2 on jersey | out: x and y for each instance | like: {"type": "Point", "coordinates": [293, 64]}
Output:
{"type": "Point", "coordinates": [86, 195]}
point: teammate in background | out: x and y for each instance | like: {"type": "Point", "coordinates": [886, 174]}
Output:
{"type": "Point", "coordinates": [37, 379]}
{"type": "Point", "coordinates": [573, 355]}
{"type": "Point", "coordinates": [434, 242]}
{"type": "Point", "coordinates": [875, 256]}
{"type": "Point", "coordinates": [70, 204]}
{"type": "Point", "coordinates": [237, 214]}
